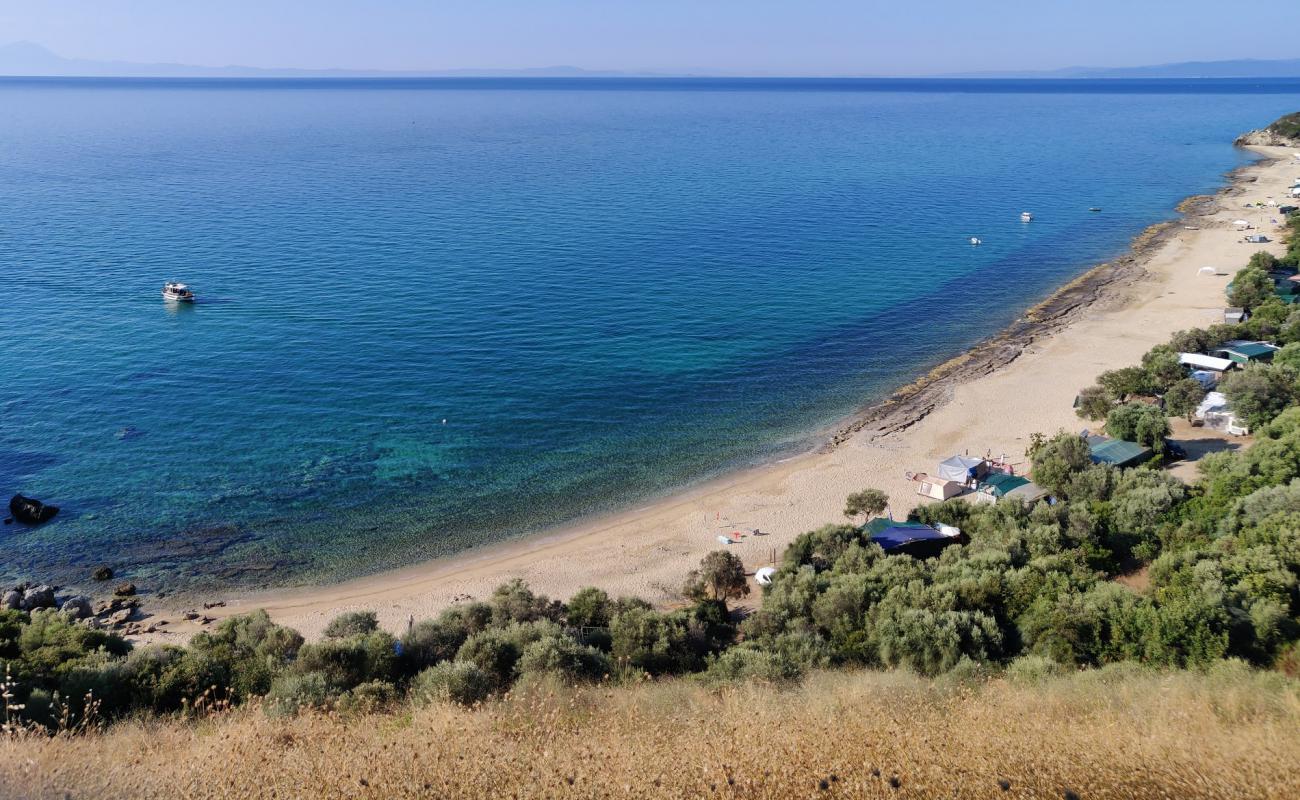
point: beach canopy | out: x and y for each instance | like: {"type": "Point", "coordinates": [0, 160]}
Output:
{"type": "Point", "coordinates": [1029, 493]}
{"type": "Point", "coordinates": [999, 484]}
{"type": "Point", "coordinates": [1117, 452]}
{"type": "Point", "coordinates": [913, 538]}
{"type": "Point", "coordinates": [1205, 362]}
{"type": "Point", "coordinates": [1213, 402]}
{"type": "Point", "coordinates": [1241, 223]}
{"type": "Point", "coordinates": [961, 468]}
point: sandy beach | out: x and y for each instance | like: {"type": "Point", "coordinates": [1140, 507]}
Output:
{"type": "Point", "coordinates": [989, 401]}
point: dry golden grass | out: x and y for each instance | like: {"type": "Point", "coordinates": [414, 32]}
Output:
{"type": "Point", "coordinates": [1227, 734]}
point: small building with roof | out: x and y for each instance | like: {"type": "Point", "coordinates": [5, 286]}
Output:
{"type": "Point", "coordinates": [1243, 352]}
{"type": "Point", "coordinates": [1204, 362]}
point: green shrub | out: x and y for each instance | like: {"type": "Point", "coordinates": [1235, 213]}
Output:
{"type": "Point", "coordinates": [1033, 669]}
{"type": "Point", "coordinates": [495, 653]}
{"type": "Point", "coordinates": [746, 663]}
{"type": "Point", "coordinates": [346, 663]}
{"type": "Point", "coordinates": [560, 656]}
{"type": "Point", "coordinates": [1139, 422]}
{"type": "Point", "coordinates": [353, 623]}
{"type": "Point", "coordinates": [655, 643]}
{"type": "Point", "coordinates": [368, 698]}
{"type": "Point", "coordinates": [453, 681]}
{"type": "Point", "coordinates": [292, 693]}
{"type": "Point", "coordinates": [515, 602]}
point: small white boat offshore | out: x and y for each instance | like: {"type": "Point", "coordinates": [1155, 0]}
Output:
{"type": "Point", "coordinates": [178, 292]}
{"type": "Point", "coordinates": [1025, 216]}
{"type": "Point", "coordinates": [975, 240]}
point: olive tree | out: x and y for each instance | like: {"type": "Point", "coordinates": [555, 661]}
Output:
{"type": "Point", "coordinates": [1141, 423]}
{"type": "Point", "coordinates": [1184, 397]}
{"type": "Point", "coordinates": [721, 575]}
{"type": "Point", "coordinates": [866, 503]}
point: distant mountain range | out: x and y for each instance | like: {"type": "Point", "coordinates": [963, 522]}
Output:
{"type": "Point", "coordinates": [31, 59]}
{"type": "Point", "coordinates": [1239, 68]}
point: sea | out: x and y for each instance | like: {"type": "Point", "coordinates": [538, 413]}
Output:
{"type": "Point", "coordinates": [434, 314]}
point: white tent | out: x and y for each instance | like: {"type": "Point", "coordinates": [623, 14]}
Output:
{"type": "Point", "coordinates": [763, 575]}
{"type": "Point", "coordinates": [1215, 413]}
{"type": "Point", "coordinates": [961, 468]}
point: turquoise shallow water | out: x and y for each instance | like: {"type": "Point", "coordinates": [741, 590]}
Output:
{"type": "Point", "coordinates": [606, 289]}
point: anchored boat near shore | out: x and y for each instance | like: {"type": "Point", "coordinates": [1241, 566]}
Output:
{"type": "Point", "coordinates": [177, 292]}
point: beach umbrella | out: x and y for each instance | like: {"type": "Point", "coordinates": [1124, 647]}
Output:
{"type": "Point", "coordinates": [763, 575]}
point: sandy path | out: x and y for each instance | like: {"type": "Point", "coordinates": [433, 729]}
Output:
{"type": "Point", "coordinates": [647, 551]}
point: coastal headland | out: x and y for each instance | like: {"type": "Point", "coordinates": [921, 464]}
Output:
{"type": "Point", "coordinates": [989, 400]}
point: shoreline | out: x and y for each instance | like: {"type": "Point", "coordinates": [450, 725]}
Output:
{"type": "Point", "coordinates": [647, 550]}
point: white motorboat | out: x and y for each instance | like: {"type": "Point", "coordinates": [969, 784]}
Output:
{"type": "Point", "coordinates": [177, 292]}
{"type": "Point", "coordinates": [1025, 216]}
{"type": "Point", "coordinates": [975, 240]}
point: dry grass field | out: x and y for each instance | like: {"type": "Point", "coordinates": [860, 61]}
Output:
{"type": "Point", "coordinates": [1231, 733]}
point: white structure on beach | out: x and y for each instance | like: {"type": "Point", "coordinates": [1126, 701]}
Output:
{"type": "Point", "coordinates": [1204, 362]}
{"type": "Point", "coordinates": [1215, 412]}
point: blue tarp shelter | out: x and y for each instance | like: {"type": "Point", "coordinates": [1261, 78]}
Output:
{"type": "Point", "coordinates": [913, 538]}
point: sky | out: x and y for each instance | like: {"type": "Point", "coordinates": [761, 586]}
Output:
{"type": "Point", "coordinates": [742, 37]}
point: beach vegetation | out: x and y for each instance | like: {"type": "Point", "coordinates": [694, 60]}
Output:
{"type": "Point", "coordinates": [353, 623]}
{"type": "Point", "coordinates": [1251, 287]}
{"type": "Point", "coordinates": [461, 682]}
{"type": "Point", "coordinates": [866, 503]}
{"type": "Point", "coordinates": [1094, 403]}
{"type": "Point", "coordinates": [1184, 397]}
{"type": "Point", "coordinates": [1139, 422]}
{"type": "Point", "coordinates": [1260, 392]}
{"type": "Point", "coordinates": [1058, 461]}
{"type": "Point", "coordinates": [1126, 382]}
{"type": "Point", "coordinates": [720, 577]}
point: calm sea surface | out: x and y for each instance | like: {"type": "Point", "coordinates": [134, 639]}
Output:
{"type": "Point", "coordinates": [438, 313]}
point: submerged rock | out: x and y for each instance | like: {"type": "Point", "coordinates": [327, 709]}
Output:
{"type": "Point", "coordinates": [102, 573]}
{"type": "Point", "coordinates": [125, 590]}
{"type": "Point", "coordinates": [31, 511]}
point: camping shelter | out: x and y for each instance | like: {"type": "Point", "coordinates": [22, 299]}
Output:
{"type": "Point", "coordinates": [938, 488]}
{"type": "Point", "coordinates": [1246, 352]}
{"type": "Point", "coordinates": [915, 539]}
{"type": "Point", "coordinates": [1215, 412]}
{"type": "Point", "coordinates": [1206, 362]}
{"type": "Point", "coordinates": [962, 469]}
{"type": "Point", "coordinates": [1117, 452]}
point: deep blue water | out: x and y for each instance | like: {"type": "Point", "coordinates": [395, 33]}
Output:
{"type": "Point", "coordinates": [607, 289]}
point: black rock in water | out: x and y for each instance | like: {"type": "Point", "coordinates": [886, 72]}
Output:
{"type": "Point", "coordinates": [102, 573]}
{"type": "Point", "coordinates": [31, 511]}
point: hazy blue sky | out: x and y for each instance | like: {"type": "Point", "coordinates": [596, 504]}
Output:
{"type": "Point", "coordinates": [761, 37]}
